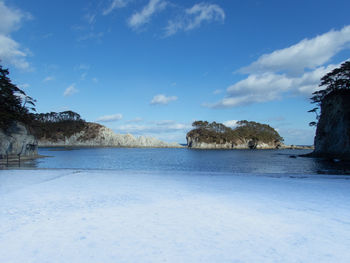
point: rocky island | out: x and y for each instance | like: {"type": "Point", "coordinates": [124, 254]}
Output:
{"type": "Point", "coordinates": [247, 135]}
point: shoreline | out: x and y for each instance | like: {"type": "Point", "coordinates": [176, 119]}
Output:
{"type": "Point", "coordinates": [257, 149]}
{"type": "Point", "coordinates": [13, 159]}
{"type": "Point", "coordinates": [291, 147]}
{"type": "Point", "coordinates": [169, 173]}
{"type": "Point", "coordinates": [333, 157]}
{"type": "Point", "coordinates": [104, 146]}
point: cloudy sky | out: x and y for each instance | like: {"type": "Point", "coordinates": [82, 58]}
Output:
{"type": "Point", "coordinates": [152, 67]}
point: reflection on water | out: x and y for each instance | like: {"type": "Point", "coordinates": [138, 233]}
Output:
{"type": "Point", "coordinates": [231, 161]}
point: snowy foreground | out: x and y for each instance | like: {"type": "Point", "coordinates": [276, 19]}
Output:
{"type": "Point", "coordinates": [109, 216]}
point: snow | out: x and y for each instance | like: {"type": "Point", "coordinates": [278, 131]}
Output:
{"type": "Point", "coordinates": [114, 216]}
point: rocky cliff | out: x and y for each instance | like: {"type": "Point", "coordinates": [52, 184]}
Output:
{"type": "Point", "coordinates": [96, 135]}
{"type": "Point", "coordinates": [333, 129]}
{"type": "Point", "coordinates": [241, 144]}
{"type": "Point", "coordinates": [17, 140]}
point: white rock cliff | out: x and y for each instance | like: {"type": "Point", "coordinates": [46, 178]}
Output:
{"type": "Point", "coordinates": [244, 144]}
{"type": "Point", "coordinates": [106, 137]}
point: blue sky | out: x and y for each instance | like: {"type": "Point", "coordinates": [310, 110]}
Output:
{"type": "Point", "coordinates": [152, 67]}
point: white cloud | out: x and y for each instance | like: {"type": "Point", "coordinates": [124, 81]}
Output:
{"type": "Point", "coordinates": [257, 88]}
{"type": "Point", "coordinates": [164, 122]}
{"type": "Point", "coordinates": [217, 91]}
{"type": "Point", "coordinates": [204, 12]}
{"type": "Point", "coordinates": [48, 78]}
{"type": "Point", "coordinates": [11, 18]}
{"type": "Point", "coordinates": [10, 50]}
{"type": "Point", "coordinates": [88, 31]}
{"type": "Point", "coordinates": [144, 16]}
{"type": "Point", "coordinates": [167, 130]}
{"type": "Point", "coordinates": [156, 127]}
{"type": "Point", "coordinates": [275, 74]}
{"type": "Point", "coordinates": [115, 4]}
{"type": "Point", "coordinates": [91, 35]}
{"type": "Point", "coordinates": [309, 81]}
{"type": "Point", "coordinates": [307, 54]}
{"type": "Point", "coordinates": [162, 99]}
{"type": "Point", "coordinates": [132, 128]}
{"type": "Point", "coordinates": [82, 66]}
{"type": "Point", "coordinates": [11, 53]}
{"type": "Point", "coordinates": [136, 120]}
{"type": "Point", "coordinates": [110, 118]}
{"type": "Point", "coordinates": [83, 75]}
{"type": "Point", "coordinates": [90, 18]}
{"type": "Point", "coordinates": [70, 90]}
{"type": "Point", "coordinates": [95, 80]}
{"type": "Point", "coordinates": [231, 123]}
{"type": "Point", "coordinates": [194, 18]}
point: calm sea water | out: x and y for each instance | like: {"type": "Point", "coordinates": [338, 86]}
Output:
{"type": "Point", "coordinates": [188, 160]}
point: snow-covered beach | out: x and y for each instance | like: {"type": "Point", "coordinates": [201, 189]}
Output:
{"type": "Point", "coordinates": [114, 216]}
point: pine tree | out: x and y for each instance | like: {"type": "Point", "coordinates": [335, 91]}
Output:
{"type": "Point", "coordinates": [14, 102]}
{"type": "Point", "coordinates": [337, 79]}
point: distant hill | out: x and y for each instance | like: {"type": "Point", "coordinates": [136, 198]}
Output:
{"type": "Point", "coordinates": [68, 129]}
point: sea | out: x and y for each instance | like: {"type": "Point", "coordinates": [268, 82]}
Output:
{"type": "Point", "coordinates": [273, 162]}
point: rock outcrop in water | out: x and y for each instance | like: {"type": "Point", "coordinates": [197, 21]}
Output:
{"type": "Point", "coordinates": [194, 142]}
{"type": "Point", "coordinates": [96, 135]}
{"type": "Point", "coordinates": [333, 129]}
{"type": "Point", "coordinates": [16, 141]}
{"type": "Point", "coordinates": [247, 135]}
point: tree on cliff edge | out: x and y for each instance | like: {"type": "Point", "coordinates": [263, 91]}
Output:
{"type": "Point", "coordinates": [14, 102]}
{"type": "Point", "coordinates": [337, 79]}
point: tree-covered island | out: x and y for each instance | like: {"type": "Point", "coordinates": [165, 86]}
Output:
{"type": "Point", "coordinates": [246, 135]}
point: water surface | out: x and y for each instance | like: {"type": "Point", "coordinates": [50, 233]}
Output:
{"type": "Point", "coordinates": [188, 160]}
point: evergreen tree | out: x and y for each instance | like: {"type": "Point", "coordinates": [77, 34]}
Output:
{"type": "Point", "coordinates": [14, 102]}
{"type": "Point", "coordinates": [337, 79]}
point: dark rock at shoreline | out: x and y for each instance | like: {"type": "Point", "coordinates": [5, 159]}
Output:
{"type": "Point", "coordinates": [16, 141]}
{"type": "Point", "coordinates": [333, 129]}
